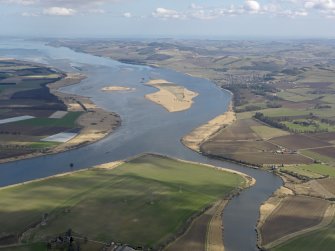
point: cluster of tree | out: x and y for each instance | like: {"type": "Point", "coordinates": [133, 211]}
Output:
{"type": "Point", "coordinates": [12, 133]}
{"type": "Point", "coordinates": [263, 89]}
{"type": "Point", "coordinates": [277, 123]}
{"type": "Point", "coordinates": [249, 108]}
{"type": "Point", "coordinates": [322, 106]}
{"type": "Point", "coordinates": [270, 121]}
{"type": "Point", "coordinates": [328, 121]}
{"type": "Point", "coordinates": [272, 104]}
{"type": "Point", "coordinates": [238, 99]}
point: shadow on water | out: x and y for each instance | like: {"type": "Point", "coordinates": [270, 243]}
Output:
{"type": "Point", "coordinates": [146, 127]}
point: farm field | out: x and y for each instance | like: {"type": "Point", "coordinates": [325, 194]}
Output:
{"type": "Point", "coordinates": [40, 246]}
{"type": "Point", "coordinates": [32, 110]}
{"type": "Point", "coordinates": [298, 141]}
{"type": "Point", "coordinates": [328, 184]}
{"type": "Point", "coordinates": [152, 191]}
{"type": "Point", "coordinates": [321, 240]}
{"type": "Point", "coordinates": [319, 157]}
{"type": "Point", "coordinates": [312, 170]}
{"type": "Point", "coordinates": [24, 93]}
{"type": "Point", "coordinates": [295, 213]}
{"type": "Point", "coordinates": [322, 169]}
{"type": "Point", "coordinates": [239, 130]}
{"type": "Point", "coordinates": [266, 132]}
{"type": "Point", "coordinates": [251, 142]}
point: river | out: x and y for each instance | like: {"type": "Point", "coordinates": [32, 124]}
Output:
{"type": "Point", "coordinates": [146, 127]}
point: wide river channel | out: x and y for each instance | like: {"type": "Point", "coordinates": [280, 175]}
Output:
{"type": "Point", "coordinates": [146, 127]}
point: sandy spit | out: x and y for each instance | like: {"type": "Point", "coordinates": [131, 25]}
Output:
{"type": "Point", "coordinates": [172, 97]}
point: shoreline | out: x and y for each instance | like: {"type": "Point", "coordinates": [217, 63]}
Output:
{"type": "Point", "coordinates": [203, 133]}
{"type": "Point", "coordinates": [89, 133]}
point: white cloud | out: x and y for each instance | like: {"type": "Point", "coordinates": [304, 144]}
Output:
{"type": "Point", "coordinates": [252, 6]}
{"type": "Point", "coordinates": [67, 3]}
{"type": "Point", "coordinates": [195, 6]}
{"type": "Point", "coordinates": [59, 11]}
{"type": "Point", "coordinates": [96, 11]}
{"type": "Point", "coordinates": [163, 13]}
{"type": "Point", "coordinates": [127, 15]}
{"type": "Point", "coordinates": [325, 7]}
{"type": "Point", "coordinates": [29, 14]}
{"type": "Point", "coordinates": [20, 2]}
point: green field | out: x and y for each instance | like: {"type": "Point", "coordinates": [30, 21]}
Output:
{"type": "Point", "coordinates": [318, 157]}
{"type": "Point", "coordinates": [41, 246]}
{"type": "Point", "coordinates": [312, 171]}
{"type": "Point", "coordinates": [316, 127]}
{"type": "Point", "coordinates": [42, 144]}
{"type": "Point", "coordinates": [150, 192]}
{"type": "Point", "coordinates": [266, 132]}
{"type": "Point", "coordinates": [69, 120]}
{"type": "Point", "coordinates": [320, 240]}
{"type": "Point", "coordinates": [319, 169]}
{"type": "Point", "coordinates": [297, 94]}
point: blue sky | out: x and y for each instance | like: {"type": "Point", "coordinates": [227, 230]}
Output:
{"type": "Point", "coordinates": [173, 18]}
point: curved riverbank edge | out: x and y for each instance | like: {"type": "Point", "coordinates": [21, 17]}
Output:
{"type": "Point", "coordinates": [214, 228]}
{"type": "Point", "coordinates": [213, 213]}
{"type": "Point", "coordinates": [96, 123]}
{"type": "Point", "coordinates": [203, 133]}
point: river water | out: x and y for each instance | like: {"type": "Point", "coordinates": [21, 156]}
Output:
{"type": "Point", "coordinates": [146, 127]}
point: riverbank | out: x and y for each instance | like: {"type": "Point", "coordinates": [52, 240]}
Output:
{"type": "Point", "coordinates": [95, 123]}
{"type": "Point", "coordinates": [199, 135]}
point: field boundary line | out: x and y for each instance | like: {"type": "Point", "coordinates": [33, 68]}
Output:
{"type": "Point", "coordinates": [327, 219]}
{"type": "Point", "coordinates": [215, 227]}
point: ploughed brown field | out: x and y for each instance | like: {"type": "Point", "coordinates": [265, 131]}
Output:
{"type": "Point", "coordinates": [327, 151]}
{"type": "Point", "coordinates": [266, 158]}
{"type": "Point", "coordinates": [240, 130]}
{"type": "Point", "coordinates": [327, 136]}
{"type": "Point", "coordinates": [9, 153]}
{"type": "Point", "coordinates": [238, 147]}
{"type": "Point", "coordinates": [20, 112]}
{"type": "Point", "coordinates": [195, 237]}
{"type": "Point", "coordinates": [328, 184]}
{"type": "Point", "coordinates": [298, 141]}
{"type": "Point", "coordinates": [239, 142]}
{"type": "Point", "coordinates": [293, 214]}
{"type": "Point", "coordinates": [21, 129]}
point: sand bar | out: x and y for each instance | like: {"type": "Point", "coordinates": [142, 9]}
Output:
{"type": "Point", "coordinates": [172, 97]}
{"type": "Point", "coordinates": [116, 88]}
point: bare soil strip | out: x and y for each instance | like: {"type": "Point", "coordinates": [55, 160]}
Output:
{"type": "Point", "coordinates": [205, 232]}
{"type": "Point", "coordinates": [215, 228]}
